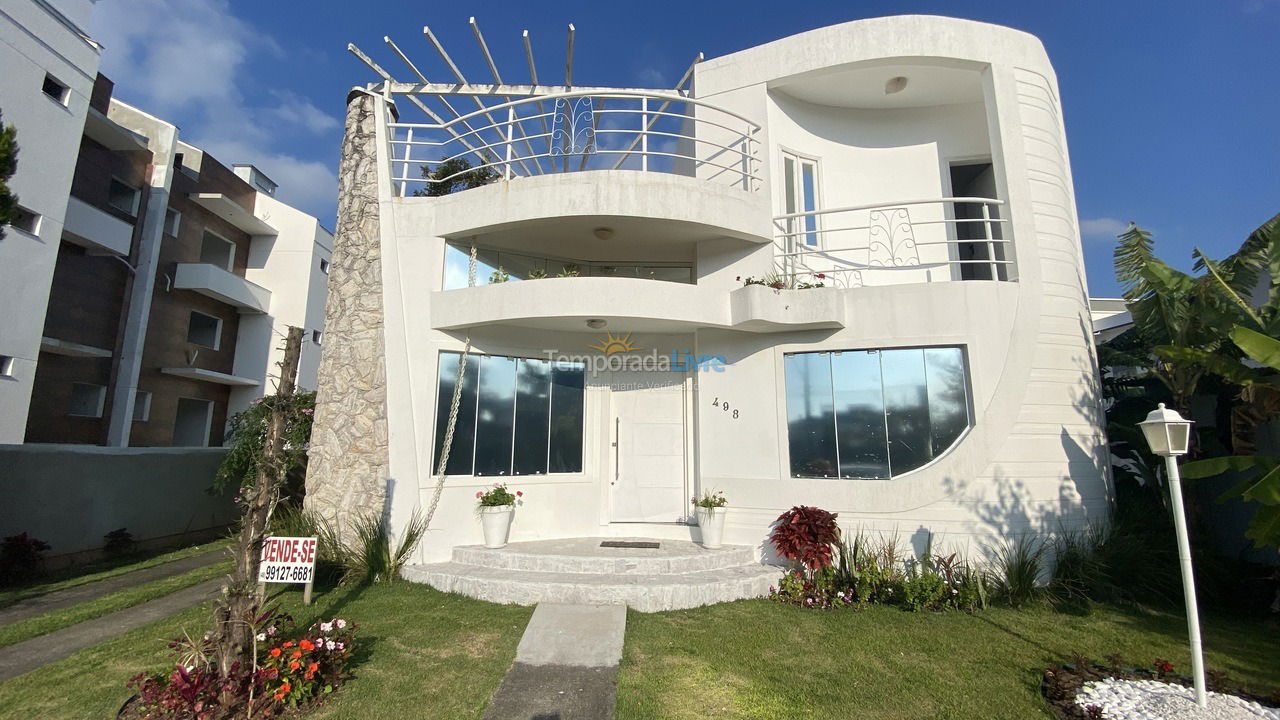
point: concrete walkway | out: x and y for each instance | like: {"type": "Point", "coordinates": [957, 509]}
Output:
{"type": "Point", "coordinates": [60, 599]}
{"type": "Point", "coordinates": [566, 665]}
{"type": "Point", "coordinates": [39, 651]}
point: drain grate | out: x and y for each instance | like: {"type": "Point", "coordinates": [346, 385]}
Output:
{"type": "Point", "coordinates": [630, 544]}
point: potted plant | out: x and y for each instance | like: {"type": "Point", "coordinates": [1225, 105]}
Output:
{"type": "Point", "coordinates": [495, 507]}
{"type": "Point", "coordinates": [499, 276]}
{"type": "Point", "coordinates": [710, 511]}
{"type": "Point", "coordinates": [537, 274]}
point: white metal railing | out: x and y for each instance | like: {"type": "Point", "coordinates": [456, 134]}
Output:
{"type": "Point", "coordinates": [940, 239]}
{"type": "Point", "coordinates": [576, 131]}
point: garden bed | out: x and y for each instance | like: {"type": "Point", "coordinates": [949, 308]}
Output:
{"type": "Point", "coordinates": [1085, 690]}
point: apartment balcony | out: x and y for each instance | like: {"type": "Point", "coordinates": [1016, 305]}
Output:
{"type": "Point", "coordinates": [212, 281]}
{"type": "Point", "coordinates": [640, 163]}
{"type": "Point", "coordinates": [639, 305]}
{"type": "Point", "coordinates": [99, 232]}
{"type": "Point", "coordinates": [903, 242]}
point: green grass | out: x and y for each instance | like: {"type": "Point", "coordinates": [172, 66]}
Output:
{"type": "Point", "coordinates": [425, 654]}
{"type": "Point", "coordinates": [66, 617]}
{"type": "Point", "coordinates": [81, 575]}
{"type": "Point", "coordinates": [756, 659]}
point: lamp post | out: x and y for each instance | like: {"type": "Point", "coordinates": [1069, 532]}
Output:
{"type": "Point", "coordinates": [1169, 434]}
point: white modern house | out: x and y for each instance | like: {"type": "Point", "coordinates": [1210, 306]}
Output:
{"type": "Point", "coordinates": [924, 366]}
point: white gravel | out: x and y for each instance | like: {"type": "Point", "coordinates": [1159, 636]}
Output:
{"type": "Point", "coordinates": [1153, 700]}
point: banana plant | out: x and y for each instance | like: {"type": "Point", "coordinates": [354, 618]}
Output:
{"type": "Point", "coordinates": [1256, 338]}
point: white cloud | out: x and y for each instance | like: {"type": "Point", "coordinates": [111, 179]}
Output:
{"type": "Point", "coordinates": [1102, 227]}
{"type": "Point", "coordinates": [192, 63]}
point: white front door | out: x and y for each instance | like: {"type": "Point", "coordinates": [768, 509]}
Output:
{"type": "Point", "coordinates": [648, 479]}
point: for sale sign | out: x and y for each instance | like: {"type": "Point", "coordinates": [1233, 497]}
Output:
{"type": "Point", "coordinates": [287, 560]}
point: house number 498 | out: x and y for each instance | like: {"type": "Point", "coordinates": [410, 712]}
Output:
{"type": "Point", "coordinates": [725, 407]}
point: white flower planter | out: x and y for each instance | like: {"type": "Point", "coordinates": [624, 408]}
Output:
{"type": "Point", "coordinates": [496, 522]}
{"type": "Point", "coordinates": [711, 521]}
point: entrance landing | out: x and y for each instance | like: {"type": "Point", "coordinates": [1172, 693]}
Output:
{"type": "Point", "coordinates": [676, 575]}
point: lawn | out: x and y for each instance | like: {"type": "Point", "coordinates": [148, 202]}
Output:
{"type": "Point", "coordinates": [756, 659]}
{"type": "Point", "coordinates": [84, 574]}
{"type": "Point", "coordinates": [444, 656]}
{"type": "Point", "coordinates": [441, 655]}
{"type": "Point", "coordinates": [128, 597]}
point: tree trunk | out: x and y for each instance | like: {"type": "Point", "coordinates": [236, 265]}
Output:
{"type": "Point", "coordinates": [240, 606]}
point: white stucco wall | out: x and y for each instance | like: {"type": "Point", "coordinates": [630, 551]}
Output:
{"type": "Point", "coordinates": [1032, 462]}
{"type": "Point", "coordinates": [34, 42]}
{"type": "Point", "coordinates": [288, 265]}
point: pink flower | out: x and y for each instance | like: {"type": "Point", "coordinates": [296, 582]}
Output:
{"type": "Point", "coordinates": [479, 494]}
{"type": "Point", "coordinates": [821, 276]}
{"type": "Point", "coordinates": [519, 493]}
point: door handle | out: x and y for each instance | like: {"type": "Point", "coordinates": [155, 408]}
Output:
{"type": "Point", "coordinates": [617, 441]}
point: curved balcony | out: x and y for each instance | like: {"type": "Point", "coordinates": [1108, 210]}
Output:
{"type": "Point", "coordinates": [910, 241]}
{"type": "Point", "coordinates": [635, 304]}
{"type": "Point", "coordinates": [576, 131]}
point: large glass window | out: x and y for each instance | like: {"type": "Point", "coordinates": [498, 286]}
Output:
{"type": "Point", "coordinates": [873, 413]}
{"type": "Point", "coordinates": [517, 416]}
{"type": "Point", "coordinates": [517, 266]}
{"type": "Point", "coordinates": [800, 180]}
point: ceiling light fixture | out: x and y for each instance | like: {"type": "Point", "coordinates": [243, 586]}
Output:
{"type": "Point", "coordinates": [603, 233]}
{"type": "Point", "coordinates": [596, 323]}
{"type": "Point", "coordinates": [895, 85]}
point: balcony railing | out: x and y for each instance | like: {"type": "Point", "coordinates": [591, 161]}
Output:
{"type": "Point", "coordinates": [944, 239]}
{"type": "Point", "coordinates": [573, 132]}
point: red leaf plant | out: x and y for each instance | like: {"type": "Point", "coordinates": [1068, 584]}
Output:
{"type": "Point", "coordinates": [806, 535]}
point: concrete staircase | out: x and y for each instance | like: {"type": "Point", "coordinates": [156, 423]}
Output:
{"type": "Point", "coordinates": [678, 574]}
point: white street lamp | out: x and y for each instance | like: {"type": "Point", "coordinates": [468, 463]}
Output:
{"type": "Point", "coordinates": [1168, 434]}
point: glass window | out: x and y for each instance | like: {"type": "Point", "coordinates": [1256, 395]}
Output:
{"type": "Point", "coordinates": [874, 413]}
{"type": "Point", "coordinates": [810, 416]}
{"type": "Point", "coordinates": [217, 251]}
{"type": "Point", "coordinates": [495, 415]}
{"type": "Point", "coordinates": [800, 179]}
{"type": "Point", "coordinates": [204, 330]}
{"type": "Point", "coordinates": [533, 414]}
{"type": "Point", "coordinates": [123, 197]}
{"type": "Point", "coordinates": [517, 416]}
{"type": "Point", "coordinates": [565, 446]}
{"type": "Point", "coordinates": [859, 404]}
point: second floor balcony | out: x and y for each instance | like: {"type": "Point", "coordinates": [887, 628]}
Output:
{"type": "Point", "coordinates": [224, 286]}
{"type": "Point", "coordinates": [909, 241]}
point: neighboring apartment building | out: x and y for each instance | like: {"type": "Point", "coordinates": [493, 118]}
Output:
{"type": "Point", "coordinates": [624, 357]}
{"type": "Point", "coordinates": [172, 281]}
{"type": "Point", "coordinates": [47, 69]}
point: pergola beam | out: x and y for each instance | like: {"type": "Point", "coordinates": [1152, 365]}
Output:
{"type": "Point", "coordinates": [477, 89]}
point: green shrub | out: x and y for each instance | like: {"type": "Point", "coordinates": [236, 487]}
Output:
{"type": "Point", "coordinates": [1019, 565]}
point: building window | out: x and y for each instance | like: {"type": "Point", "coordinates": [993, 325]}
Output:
{"type": "Point", "coordinates": [192, 422]}
{"type": "Point", "coordinates": [216, 250]}
{"type": "Point", "coordinates": [800, 186]}
{"type": "Point", "coordinates": [324, 266]}
{"type": "Point", "coordinates": [316, 336]}
{"type": "Point", "coordinates": [6, 366]}
{"type": "Point", "coordinates": [517, 416]}
{"type": "Point", "coordinates": [87, 400]}
{"type": "Point", "coordinates": [56, 90]}
{"type": "Point", "coordinates": [874, 413]}
{"type": "Point", "coordinates": [204, 330]}
{"type": "Point", "coordinates": [123, 197]}
{"type": "Point", "coordinates": [26, 221]}
{"type": "Point", "coordinates": [172, 221]}
{"type": "Point", "coordinates": [141, 406]}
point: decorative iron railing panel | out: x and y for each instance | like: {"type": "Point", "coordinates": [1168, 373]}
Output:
{"type": "Point", "coordinates": [910, 241]}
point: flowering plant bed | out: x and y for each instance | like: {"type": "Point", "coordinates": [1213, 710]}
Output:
{"type": "Point", "coordinates": [291, 675]}
{"type": "Point", "coordinates": [1074, 689]}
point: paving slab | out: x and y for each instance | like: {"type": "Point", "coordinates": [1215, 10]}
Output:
{"type": "Point", "coordinates": [37, 652]}
{"type": "Point", "coordinates": [566, 665]}
{"type": "Point", "coordinates": [60, 599]}
{"type": "Point", "coordinates": [573, 635]}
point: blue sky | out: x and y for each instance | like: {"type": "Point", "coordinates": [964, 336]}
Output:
{"type": "Point", "coordinates": [1172, 108]}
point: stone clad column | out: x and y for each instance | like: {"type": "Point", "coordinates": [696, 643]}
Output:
{"type": "Point", "coordinates": [348, 460]}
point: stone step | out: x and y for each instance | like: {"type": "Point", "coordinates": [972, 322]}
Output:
{"type": "Point", "coordinates": [646, 593]}
{"type": "Point", "coordinates": [584, 555]}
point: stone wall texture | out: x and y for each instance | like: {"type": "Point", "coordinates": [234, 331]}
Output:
{"type": "Point", "coordinates": [348, 463]}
